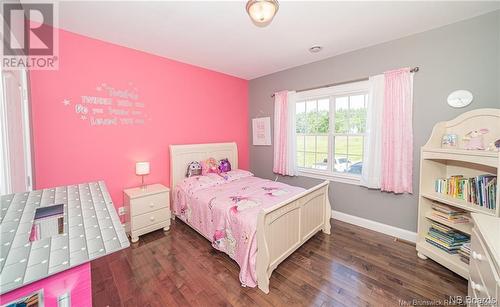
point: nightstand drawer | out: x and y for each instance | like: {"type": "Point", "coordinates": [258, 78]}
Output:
{"type": "Point", "coordinates": [150, 218]}
{"type": "Point", "coordinates": [148, 203]}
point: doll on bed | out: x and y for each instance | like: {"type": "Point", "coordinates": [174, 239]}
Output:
{"type": "Point", "coordinates": [209, 166]}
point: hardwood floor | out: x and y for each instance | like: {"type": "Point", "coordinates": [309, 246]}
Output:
{"type": "Point", "coordinates": [352, 267]}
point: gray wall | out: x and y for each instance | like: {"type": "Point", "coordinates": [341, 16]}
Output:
{"type": "Point", "coordinates": [464, 55]}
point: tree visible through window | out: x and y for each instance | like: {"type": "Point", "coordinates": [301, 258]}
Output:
{"type": "Point", "coordinates": [330, 133]}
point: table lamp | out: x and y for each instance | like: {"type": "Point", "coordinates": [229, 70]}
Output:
{"type": "Point", "coordinates": [142, 169]}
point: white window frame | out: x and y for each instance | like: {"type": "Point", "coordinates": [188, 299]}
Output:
{"type": "Point", "coordinates": [331, 93]}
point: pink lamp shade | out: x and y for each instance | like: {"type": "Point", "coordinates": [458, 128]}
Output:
{"type": "Point", "coordinates": [142, 168]}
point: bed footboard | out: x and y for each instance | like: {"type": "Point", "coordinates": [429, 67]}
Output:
{"type": "Point", "coordinates": [283, 228]}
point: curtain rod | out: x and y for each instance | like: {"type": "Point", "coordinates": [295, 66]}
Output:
{"type": "Point", "coordinates": [414, 69]}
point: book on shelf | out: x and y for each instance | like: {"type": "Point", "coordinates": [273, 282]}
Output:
{"type": "Point", "coordinates": [446, 238]}
{"type": "Point", "coordinates": [464, 252]}
{"type": "Point", "coordinates": [449, 214]}
{"type": "Point", "coordinates": [480, 190]}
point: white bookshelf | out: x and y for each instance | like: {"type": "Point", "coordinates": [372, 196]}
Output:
{"type": "Point", "coordinates": [437, 162]}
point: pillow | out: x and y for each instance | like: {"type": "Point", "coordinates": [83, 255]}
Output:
{"type": "Point", "coordinates": [193, 169]}
{"type": "Point", "coordinates": [236, 174]}
{"type": "Point", "coordinates": [216, 177]}
{"type": "Point", "coordinates": [195, 183]}
{"type": "Point", "coordinates": [224, 166]}
{"type": "Point", "coordinates": [209, 166]}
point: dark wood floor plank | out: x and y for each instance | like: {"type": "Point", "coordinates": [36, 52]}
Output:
{"type": "Point", "coordinates": [366, 262]}
{"type": "Point", "coordinates": [351, 267]}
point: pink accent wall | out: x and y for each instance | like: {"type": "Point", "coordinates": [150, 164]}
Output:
{"type": "Point", "coordinates": [77, 281]}
{"type": "Point", "coordinates": [183, 104]}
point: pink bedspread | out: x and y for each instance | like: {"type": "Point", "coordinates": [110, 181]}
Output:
{"type": "Point", "coordinates": [226, 213]}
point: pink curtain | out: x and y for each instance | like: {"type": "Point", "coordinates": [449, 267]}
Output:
{"type": "Point", "coordinates": [280, 165]}
{"type": "Point", "coordinates": [397, 132]}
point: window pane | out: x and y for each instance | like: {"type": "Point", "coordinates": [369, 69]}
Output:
{"type": "Point", "coordinates": [355, 145]}
{"type": "Point", "coordinates": [356, 166]}
{"type": "Point", "coordinates": [341, 145]}
{"type": "Point", "coordinates": [300, 120]}
{"type": "Point", "coordinates": [300, 143]}
{"type": "Point", "coordinates": [341, 114]}
{"type": "Point", "coordinates": [341, 103]}
{"type": "Point", "coordinates": [311, 143]}
{"type": "Point", "coordinates": [357, 112]}
{"type": "Point", "coordinates": [316, 121]}
{"type": "Point", "coordinates": [311, 115]}
{"type": "Point", "coordinates": [300, 158]}
{"type": "Point", "coordinates": [322, 121]}
{"type": "Point", "coordinates": [354, 158]}
{"type": "Point", "coordinates": [321, 161]}
{"type": "Point", "coordinates": [324, 104]}
{"type": "Point", "coordinates": [322, 143]}
{"type": "Point", "coordinates": [355, 154]}
{"type": "Point", "coordinates": [311, 106]}
{"type": "Point", "coordinates": [341, 163]}
{"type": "Point", "coordinates": [301, 107]}
{"type": "Point", "coordinates": [312, 131]}
{"type": "Point", "coordinates": [357, 102]}
{"type": "Point", "coordinates": [310, 159]}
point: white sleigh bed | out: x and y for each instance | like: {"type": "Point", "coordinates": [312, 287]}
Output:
{"type": "Point", "coordinates": [282, 228]}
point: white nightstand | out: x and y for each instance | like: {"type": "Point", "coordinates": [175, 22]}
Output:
{"type": "Point", "coordinates": [148, 209]}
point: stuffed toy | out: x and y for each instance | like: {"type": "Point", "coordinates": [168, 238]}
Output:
{"type": "Point", "coordinates": [209, 166]}
{"type": "Point", "coordinates": [194, 169]}
{"type": "Point", "coordinates": [474, 139]}
{"type": "Point", "coordinates": [224, 166]}
{"type": "Point", "coordinates": [494, 146]}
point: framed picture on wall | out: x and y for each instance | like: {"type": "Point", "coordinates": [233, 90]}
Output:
{"type": "Point", "coordinates": [261, 128]}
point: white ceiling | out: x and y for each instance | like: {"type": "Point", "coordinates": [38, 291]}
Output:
{"type": "Point", "coordinates": [220, 36]}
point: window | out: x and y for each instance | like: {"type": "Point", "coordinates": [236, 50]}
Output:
{"type": "Point", "coordinates": [330, 131]}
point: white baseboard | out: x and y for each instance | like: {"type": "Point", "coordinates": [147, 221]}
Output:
{"type": "Point", "coordinates": [375, 226]}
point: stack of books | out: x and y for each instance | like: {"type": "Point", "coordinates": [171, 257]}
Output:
{"type": "Point", "coordinates": [446, 238]}
{"type": "Point", "coordinates": [480, 190]}
{"type": "Point", "coordinates": [464, 252]}
{"type": "Point", "coordinates": [449, 214]}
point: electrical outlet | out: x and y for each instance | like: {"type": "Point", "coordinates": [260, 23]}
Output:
{"type": "Point", "coordinates": [121, 211]}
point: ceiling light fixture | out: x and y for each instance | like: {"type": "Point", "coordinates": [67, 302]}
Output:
{"type": "Point", "coordinates": [315, 49]}
{"type": "Point", "coordinates": [262, 12]}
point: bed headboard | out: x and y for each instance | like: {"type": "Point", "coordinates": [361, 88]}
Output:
{"type": "Point", "coordinates": [182, 155]}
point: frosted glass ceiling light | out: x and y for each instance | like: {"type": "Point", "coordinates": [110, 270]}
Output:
{"type": "Point", "coordinates": [262, 12]}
